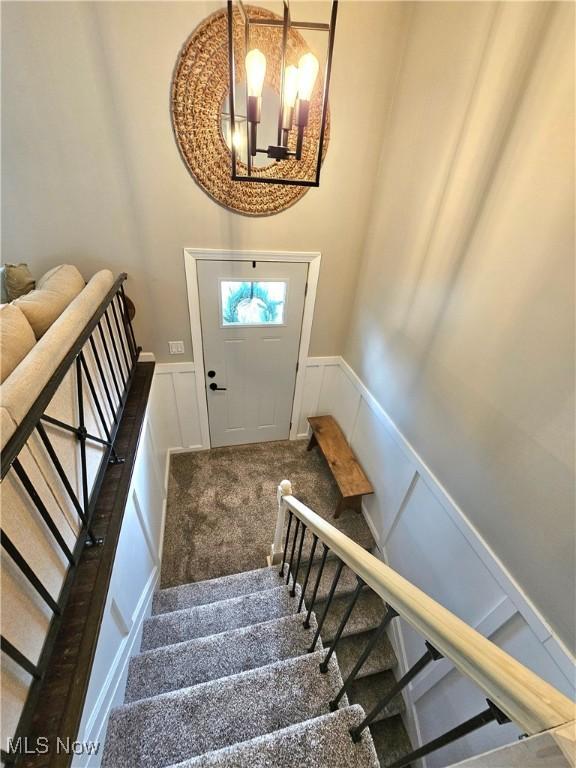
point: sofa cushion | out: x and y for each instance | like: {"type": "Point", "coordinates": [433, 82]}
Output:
{"type": "Point", "coordinates": [56, 289]}
{"type": "Point", "coordinates": [21, 389]}
{"type": "Point", "coordinates": [16, 338]}
{"type": "Point", "coordinates": [18, 280]}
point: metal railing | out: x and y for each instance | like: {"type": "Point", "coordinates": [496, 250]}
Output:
{"type": "Point", "coordinates": [514, 693]}
{"type": "Point", "coordinates": [109, 343]}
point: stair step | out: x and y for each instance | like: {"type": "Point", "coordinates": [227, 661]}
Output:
{"type": "Point", "coordinates": [212, 590]}
{"type": "Point", "coordinates": [346, 583]}
{"type": "Point", "coordinates": [209, 658]}
{"type": "Point", "coordinates": [323, 741]}
{"type": "Point", "coordinates": [367, 614]}
{"type": "Point", "coordinates": [367, 691]}
{"type": "Point", "coordinates": [391, 740]}
{"type": "Point", "coordinates": [213, 618]}
{"type": "Point", "coordinates": [350, 648]}
{"type": "Point", "coordinates": [350, 523]}
{"type": "Point", "coordinates": [176, 726]}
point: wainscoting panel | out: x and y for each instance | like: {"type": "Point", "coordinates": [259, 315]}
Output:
{"type": "Point", "coordinates": [134, 578]}
{"type": "Point", "coordinates": [426, 537]}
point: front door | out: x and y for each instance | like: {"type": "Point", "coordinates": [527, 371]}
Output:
{"type": "Point", "coordinates": [251, 315]}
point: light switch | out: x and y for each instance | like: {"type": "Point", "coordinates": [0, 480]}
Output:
{"type": "Point", "coordinates": [176, 347]}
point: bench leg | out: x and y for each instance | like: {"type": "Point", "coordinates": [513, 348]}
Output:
{"type": "Point", "coordinates": [340, 507]}
{"type": "Point", "coordinates": [353, 502]}
{"type": "Point", "coordinates": [312, 442]}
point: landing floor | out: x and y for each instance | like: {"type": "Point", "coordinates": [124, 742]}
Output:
{"type": "Point", "coordinates": [221, 509]}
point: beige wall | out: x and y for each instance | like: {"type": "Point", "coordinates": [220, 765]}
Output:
{"type": "Point", "coordinates": [463, 325]}
{"type": "Point", "coordinates": [92, 173]}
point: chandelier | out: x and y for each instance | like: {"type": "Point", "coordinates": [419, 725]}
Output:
{"type": "Point", "coordinates": [277, 114]}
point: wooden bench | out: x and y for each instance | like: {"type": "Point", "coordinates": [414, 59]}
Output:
{"type": "Point", "coordinates": [349, 475]}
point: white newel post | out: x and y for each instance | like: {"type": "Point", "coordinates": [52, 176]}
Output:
{"type": "Point", "coordinates": [276, 551]}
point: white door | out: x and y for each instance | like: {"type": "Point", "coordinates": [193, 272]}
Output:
{"type": "Point", "coordinates": [251, 314]}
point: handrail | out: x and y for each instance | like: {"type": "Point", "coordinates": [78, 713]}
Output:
{"type": "Point", "coordinates": [533, 704]}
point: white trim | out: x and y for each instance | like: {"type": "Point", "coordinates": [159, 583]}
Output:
{"type": "Point", "coordinates": [191, 256]}
{"type": "Point", "coordinates": [186, 367]}
{"type": "Point", "coordinates": [146, 357]}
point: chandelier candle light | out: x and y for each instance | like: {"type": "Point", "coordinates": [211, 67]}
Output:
{"type": "Point", "coordinates": [296, 93]}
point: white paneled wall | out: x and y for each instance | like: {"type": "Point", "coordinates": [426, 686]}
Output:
{"type": "Point", "coordinates": [423, 535]}
{"type": "Point", "coordinates": [135, 576]}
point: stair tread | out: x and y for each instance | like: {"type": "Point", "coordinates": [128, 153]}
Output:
{"type": "Point", "coordinates": [350, 647]}
{"type": "Point", "coordinates": [368, 691]}
{"type": "Point", "coordinates": [367, 614]}
{"type": "Point", "coordinates": [349, 522]}
{"type": "Point", "coordinates": [213, 618]}
{"type": "Point", "coordinates": [346, 583]}
{"type": "Point", "coordinates": [317, 743]}
{"type": "Point", "coordinates": [213, 590]}
{"type": "Point", "coordinates": [391, 740]}
{"type": "Point", "coordinates": [208, 658]}
{"type": "Point", "coordinates": [176, 726]}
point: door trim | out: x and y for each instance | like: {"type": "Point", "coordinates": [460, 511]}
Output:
{"type": "Point", "coordinates": [191, 257]}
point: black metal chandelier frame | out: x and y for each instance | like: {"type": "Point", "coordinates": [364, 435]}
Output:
{"type": "Point", "coordinates": [280, 150]}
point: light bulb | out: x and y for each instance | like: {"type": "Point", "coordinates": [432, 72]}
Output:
{"type": "Point", "coordinates": [307, 73]}
{"type": "Point", "coordinates": [255, 72]}
{"type": "Point", "coordinates": [290, 86]}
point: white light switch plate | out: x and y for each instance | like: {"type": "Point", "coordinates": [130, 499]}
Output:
{"type": "Point", "coordinates": [176, 347]}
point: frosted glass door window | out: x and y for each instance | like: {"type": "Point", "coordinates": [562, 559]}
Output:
{"type": "Point", "coordinates": [252, 302]}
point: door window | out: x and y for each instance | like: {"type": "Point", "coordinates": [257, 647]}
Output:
{"type": "Point", "coordinates": [252, 302]}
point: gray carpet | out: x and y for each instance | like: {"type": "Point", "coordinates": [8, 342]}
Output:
{"type": "Point", "coordinates": [221, 508]}
{"type": "Point", "coordinates": [319, 743]}
{"type": "Point", "coordinates": [224, 677]}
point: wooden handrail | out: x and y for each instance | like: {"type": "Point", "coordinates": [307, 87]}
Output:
{"type": "Point", "coordinates": [530, 702]}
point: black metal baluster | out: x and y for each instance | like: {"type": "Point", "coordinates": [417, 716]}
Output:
{"type": "Point", "coordinates": [489, 715]}
{"type": "Point", "coordinates": [290, 516]}
{"type": "Point", "coordinates": [347, 614]}
{"type": "Point", "coordinates": [313, 550]}
{"type": "Point", "coordinates": [114, 458]}
{"type": "Point", "coordinates": [109, 361]}
{"type": "Point", "coordinates": [94, 394]}
{"type": "Point", "coordinates": [60, 470]}
{"type": "Point", "coordinates": [316, 585]}
{"type": "Point", "coordinates": [103, 378]}
{"type": "Point", "coordinates": [28, 572]}
{"type": "Point", "coordinates": [120, 336]}
{"type": "Point", "coordinates": [335, 581]}
{"type": "Point", "coordinates": [431, 655]}
{"type": "Point", "coordinates": [44, 514]}
{"type": "Point", "coordinates": [115, 348]}
{"type": "Point", "coordinates": [388, 616]}
{"type": "Point", "coordinates": [124, 318]}
{"type": "Point", "coordinates": [293, 549]}
{"type": "Point", "coordinates": [17, 656]}
{"type": "Point", "coordinates": [295, 577]}
{"type": "Point", "coordinates": [82, 433]}
{"type": "Point", "coordinates": [129, 322]}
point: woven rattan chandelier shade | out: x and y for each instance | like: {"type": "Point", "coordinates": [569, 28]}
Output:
{"type": "Point", "coordinates": [200, 88]}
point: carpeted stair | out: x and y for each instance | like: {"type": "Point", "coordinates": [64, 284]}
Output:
{"type": "Point", "coordinates": [225, 678]}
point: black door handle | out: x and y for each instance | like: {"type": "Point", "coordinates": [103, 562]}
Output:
{"type": "Point", "coordinates": [215, 387]}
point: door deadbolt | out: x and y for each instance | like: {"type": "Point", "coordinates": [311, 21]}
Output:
{"type": "Point", "coordinates": [211, 374]}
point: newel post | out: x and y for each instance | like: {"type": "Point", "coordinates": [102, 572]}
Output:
{"type": "Point", "coordinates": [276, 550]}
